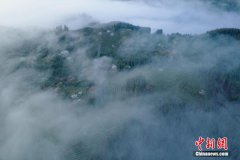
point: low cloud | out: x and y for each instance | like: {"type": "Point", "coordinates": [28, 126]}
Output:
{"type": "Point", "coordinates": [69, 95]}
{"type": "Point", "coordinates": [172, 16]}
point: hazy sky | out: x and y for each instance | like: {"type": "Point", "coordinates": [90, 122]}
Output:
{"type": "Point", "coordinates": [172, 16]}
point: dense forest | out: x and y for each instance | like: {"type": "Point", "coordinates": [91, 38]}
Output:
{"type": "Point", "coordinates": [117, 91]}
{"type": "Point", "coordinates": [130, 47]}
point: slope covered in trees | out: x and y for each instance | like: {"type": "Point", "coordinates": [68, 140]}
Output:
{"type": "Point", "coordinates": [119, 91]}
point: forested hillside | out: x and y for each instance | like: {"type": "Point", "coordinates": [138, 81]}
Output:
{"type": "Point", "coordinates": [117, 91]}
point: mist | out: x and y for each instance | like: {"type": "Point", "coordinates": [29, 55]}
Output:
{"type": "Point", "coordinates": [94, 90]}
{"type": "Point", "coordinates": [172, 16]}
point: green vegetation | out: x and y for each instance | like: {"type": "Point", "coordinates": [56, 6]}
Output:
{"type": "Point", "coordinates": [130, 47]}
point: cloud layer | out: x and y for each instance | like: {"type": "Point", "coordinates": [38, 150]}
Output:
{"type": "Point", "coordinates": [190, 88]}
{"type": "Point", "coordinates": [172, 16]}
